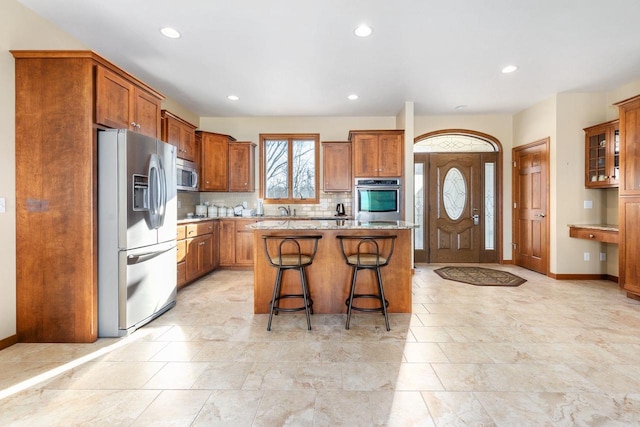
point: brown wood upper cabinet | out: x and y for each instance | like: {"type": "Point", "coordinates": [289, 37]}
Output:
{"type": "Point", "coordinates": [120, 104]}
{"type": "Point", "coordinates": [242, 166]}
{"type": "Point", "coordinates": [179, 132]}
{"type": "Point", "coordinates": [602, 155]}
{"type": "Point", "coordinates": [226, 165]}
{"type": "Point", "coordinates": [377, 153]}
{"type": "Point", "coordinates": [337, 166]}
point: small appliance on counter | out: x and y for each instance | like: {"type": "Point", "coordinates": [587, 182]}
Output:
{"type": "Point", "coordinates": [201, 211]}
{"type": "Point", "coordinates": [340, 210]}
{"type": "Point", "coordinates": [260, 210]}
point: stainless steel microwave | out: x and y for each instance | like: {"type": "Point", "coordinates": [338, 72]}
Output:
{"type": "Point", "coordinates": [187, 175]}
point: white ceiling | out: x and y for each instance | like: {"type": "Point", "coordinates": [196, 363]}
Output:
{"type": "Point", "coordinates": [301, 58]}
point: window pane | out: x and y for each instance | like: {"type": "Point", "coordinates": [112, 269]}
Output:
{"type": "Point", "coordinates": [489, 206]}
{"type": "Point", "coordinates": [276, 163]}
{"type": "Point", "coordinates": [452, 143]}
{"type": "Point", "coordinates": [304, 169]}
{"type": "Point", "coordinates": [454, 193]}
{"type": "Point", "coordinates": [419, 205]}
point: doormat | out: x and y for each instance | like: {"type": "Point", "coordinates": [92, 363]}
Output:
{"type": "Point", "coordinates": [479, 276]}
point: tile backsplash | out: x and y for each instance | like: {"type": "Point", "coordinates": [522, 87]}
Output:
{"type": "Point", "coordinates": [187, 202]}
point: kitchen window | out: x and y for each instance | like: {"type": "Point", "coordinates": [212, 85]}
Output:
{"type": "Point", "coordinates": [288, 165]}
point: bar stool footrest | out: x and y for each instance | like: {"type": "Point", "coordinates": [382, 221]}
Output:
{"type": "Point", "coordinates": [292, 309]}
{"type": "Point", "coordinates": [371, 296]}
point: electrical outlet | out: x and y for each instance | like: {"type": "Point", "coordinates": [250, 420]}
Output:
{"type": "Point", "coordinates": [179, 204]}
{"type": "Point", "coordinates": [586, 256]}
{"type": "Point", "coordinates": [588, 204]}
{"type": "Point", "coordinates": [323, 203]}
{"type": "Point", "coordinates": [3, 205]}
{"type": "Point", "coordinates": [603, 256]}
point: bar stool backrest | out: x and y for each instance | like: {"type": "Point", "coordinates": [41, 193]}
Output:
{"type": "Point", "coordinates": [368, 250]}
{"type": "Point", "coordinates": [289, 250]}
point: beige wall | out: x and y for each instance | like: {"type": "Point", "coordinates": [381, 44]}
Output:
{"type": "Point", "coordinates": [621, 93]}
{"type": "Point", "coordinates": [405, 120]}
{"type": "Point", "coordinates": [180, 111]}
{"type": "Point", "coordinates": [329, 128]}
{"type": "Point", "coordinates": [19, 29]}
{"type": "Point", "coordinates": [499, 126]}
{"type": "Point", "coordinates": [574, 112]}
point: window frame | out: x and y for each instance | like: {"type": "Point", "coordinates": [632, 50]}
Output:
{"type": "Point", "coordinates": [264, 137]}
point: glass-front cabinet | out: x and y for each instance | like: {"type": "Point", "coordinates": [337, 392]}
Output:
{"type": "Point", "coordinates": [602, 155]}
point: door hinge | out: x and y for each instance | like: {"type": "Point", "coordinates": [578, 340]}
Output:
{"type": "Point", "coordinates": [515, 205]}
{"type": "Point", "coordinates": [515, 245]}
{"type": "Point", "coordinates": [515, 164]}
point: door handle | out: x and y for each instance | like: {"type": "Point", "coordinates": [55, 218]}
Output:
{"type": "Point", "coordinates": [541, 215]}
{"type": "Point", "coordinates": [476, 219]}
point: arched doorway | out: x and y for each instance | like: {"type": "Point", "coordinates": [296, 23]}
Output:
{"type": "Point", "coordinates": [458, 193]}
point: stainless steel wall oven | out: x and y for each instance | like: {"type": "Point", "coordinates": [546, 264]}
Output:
{"type": "Point", "coordinates": [378, 199]}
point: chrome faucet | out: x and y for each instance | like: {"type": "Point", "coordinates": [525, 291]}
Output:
{"type": "Point", "coordinates": [284, 211]}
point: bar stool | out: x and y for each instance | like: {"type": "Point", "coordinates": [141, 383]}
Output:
{"type": "Point", "coordinates": [290, 257]}
{"type": "Point", "coordinates": [369, 254]}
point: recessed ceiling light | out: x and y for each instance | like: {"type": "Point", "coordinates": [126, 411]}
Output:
{"type": "Point", "coordinates": [172, 33]}
{"type": "Point", "coordinates": [232, 98]}
{"type": "Point", "coordinates": [509, 69]}
{"type": "Point", "coordinates": [460, 107]}
{"type": "Point", "coordinates": [363, 30]}
{"type": "Point", "coordinates": [353, 97]}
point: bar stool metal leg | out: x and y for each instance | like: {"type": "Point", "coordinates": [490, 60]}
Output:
{"type": "Point", "coordinates": [354, 277]}
{"type": "Point", "coordinates": [274, 297]}
{"type": "Point", "coordinates": [305, 296]}
{"type": "Point", "coordinates": [382, 298]}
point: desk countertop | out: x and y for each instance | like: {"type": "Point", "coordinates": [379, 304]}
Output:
{"type": "Point", "coordinates": [603, 227]}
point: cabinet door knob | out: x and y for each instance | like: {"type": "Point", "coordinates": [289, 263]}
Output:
{"type": "Point", "coordinates": [591, 236]}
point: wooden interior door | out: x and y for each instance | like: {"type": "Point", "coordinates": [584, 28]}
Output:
{"type": "Point", "coordinates": [531, 199]}
{"type": "Point", "coordinates": [456, 205]}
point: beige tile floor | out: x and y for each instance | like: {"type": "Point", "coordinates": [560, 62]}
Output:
{"type": "Point", "coordinates": [547, 353]}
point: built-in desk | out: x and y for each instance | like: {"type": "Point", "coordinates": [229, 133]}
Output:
{"type": "Point", "coordinates": [329, 277]}
{"type": "Point", "coordinates": [605, 233]}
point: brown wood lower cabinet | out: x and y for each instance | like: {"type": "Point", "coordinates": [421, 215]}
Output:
{"type": "Point", "coordinates": [236, 243]}
{"type": "Point", "coordinates": [629, 246]}
{"type": "Point", "coordinates": [197, 251]}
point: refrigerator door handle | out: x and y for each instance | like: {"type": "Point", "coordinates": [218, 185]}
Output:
{"type": "Point", "coordinates": [134, 259]}
{"type": "Point", "coordinates": [154, 188]}
{"type": "Point", "coordinates": [162, 202]}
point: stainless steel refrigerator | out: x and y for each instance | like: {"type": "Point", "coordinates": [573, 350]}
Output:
{"type": "Point", "coordinates": [137, 213]}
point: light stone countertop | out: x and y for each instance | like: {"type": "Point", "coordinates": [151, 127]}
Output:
{"type": "Point", "coordinates": [264, 218]}
{"type": "Point", "coordinates": [331, 224]}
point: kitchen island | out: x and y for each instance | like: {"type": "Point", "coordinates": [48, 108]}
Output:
{"type": "Point", "coordinates": [330, 277]}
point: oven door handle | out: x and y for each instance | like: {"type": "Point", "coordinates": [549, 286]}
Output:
{"type": "Point", "coordinates": [374, 187]}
